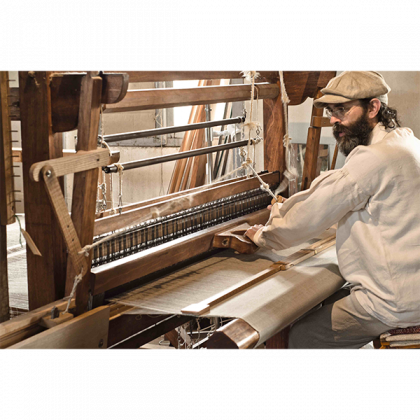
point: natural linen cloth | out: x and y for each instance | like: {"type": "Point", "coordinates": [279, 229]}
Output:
{"type": "Point", "coordinates": [375, 198]}
{"type": "Point", "coordinates": [268, 306]}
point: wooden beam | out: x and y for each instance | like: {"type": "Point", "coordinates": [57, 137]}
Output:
{"type": "Point", "coordinates": [7, 198]}
{"type": "Point", "coordinates": [28, 324]}
{"type": "Point", "coordinates": [274, 131]}
{"type": "Point", "coordinates": [312, 149]}
{"type": "Point", "coordinates": [65, 96]}
{"type": "Point", "coordinates": [46, 274]}
{"type": "Point", "coordinates": [237, 334]}
{"type": "Point", "coordinates": [301, 85]}
{"type": "Point", "coordinates": [137, 100]}
{"type": "Point", "coordinates": [85, 183]}
{"type": "Point", "coordinates": [88, 331]}
{"type": "Point", "coordinates": [76, 162]}
{"type": "Point", "coordinates": [319, 121]}
{"type": "Point", "coordinates": [163, 76]}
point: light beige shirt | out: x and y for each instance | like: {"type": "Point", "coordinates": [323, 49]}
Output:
{"type": "Point", "coordinates": [375, 198]}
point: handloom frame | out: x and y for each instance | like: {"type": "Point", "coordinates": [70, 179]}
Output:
{"type": "Point", "coordinates": [50, 103]}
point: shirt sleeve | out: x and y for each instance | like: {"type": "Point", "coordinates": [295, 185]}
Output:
{"type": "Point", "coordinates": [309, 213]}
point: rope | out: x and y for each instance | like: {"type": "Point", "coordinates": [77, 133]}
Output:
{"type": "Point", "coordinates": [77, 280]}
{"type": "Point", "coordinates": [248, 163]}
{"type": "Point", "coordinates": [120, 184]}
{"type": "Point", "coordinates": [104, 143]}
{"type": "Point", "coordinates": [290, 173]}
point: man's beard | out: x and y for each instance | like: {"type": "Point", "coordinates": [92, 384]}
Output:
{"type": "Point", "coordinates": [356, 134]}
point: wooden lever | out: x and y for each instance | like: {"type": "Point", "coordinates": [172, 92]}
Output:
{"type": "Point", "coordinates": [80, 161]}
{"type": "Point", "coordinates": [59, 206]}
{"type": "Point", "coordinates": [235, 239]}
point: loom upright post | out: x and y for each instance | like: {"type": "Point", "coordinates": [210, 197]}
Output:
{"type": "Point", "coordinates": [85, 183]}
{"type": "Point", "coordinates": [7, 203]}
{"type": "Point", "coordinates": [46, 274]}
{"type": "Point", "coordinates": [274, 131]}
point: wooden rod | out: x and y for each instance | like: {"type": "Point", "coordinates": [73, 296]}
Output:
{"type": "Point", "coordinates": [334, 159]}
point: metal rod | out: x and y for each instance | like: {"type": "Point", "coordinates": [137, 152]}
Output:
{"type": "Point", "coordinates": [175, 156]}
{"type": "Point", "coordinates": [169, 130]}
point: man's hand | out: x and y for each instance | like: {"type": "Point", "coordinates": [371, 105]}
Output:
{"type": "Point", "coordinates": [250, 233]}
{"type": "Point", "coordinates": [280, 199]}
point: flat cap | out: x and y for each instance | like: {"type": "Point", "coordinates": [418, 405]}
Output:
{"type": "Point", "coordinates": [351, 85]}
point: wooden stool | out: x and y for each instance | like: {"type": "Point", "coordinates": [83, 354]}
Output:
{"type": "Point", "coordinates": [401, 338]}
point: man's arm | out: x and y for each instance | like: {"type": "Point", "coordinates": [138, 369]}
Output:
{"type": "Point", "coordinates": [308, 213]}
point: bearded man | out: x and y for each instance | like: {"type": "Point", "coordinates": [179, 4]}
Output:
{"type": "Point", "coordinates": [375, 199]}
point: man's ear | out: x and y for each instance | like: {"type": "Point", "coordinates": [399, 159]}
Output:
{"type": "Point", "coordinates": [374, 107]}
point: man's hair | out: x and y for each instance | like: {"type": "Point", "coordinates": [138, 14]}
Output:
{"type": "Point", "coordinates": [387, 116]}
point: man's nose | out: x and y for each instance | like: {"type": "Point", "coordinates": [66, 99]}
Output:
{"type": "Point", "coordinates": [334, 119]}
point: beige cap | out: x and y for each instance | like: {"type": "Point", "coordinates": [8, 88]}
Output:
{"type": "Point", "coordinates": [351, 85]}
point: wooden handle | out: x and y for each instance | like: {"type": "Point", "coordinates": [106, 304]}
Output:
{"type": "Point", "coordinates": [80, 161]}
{"type": "Point", "coordinates": [66, 224]}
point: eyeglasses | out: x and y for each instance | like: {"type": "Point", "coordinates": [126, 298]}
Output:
{"type": "Point", "coordinates": [340, 112]}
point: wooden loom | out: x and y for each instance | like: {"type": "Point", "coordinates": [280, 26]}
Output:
{"type": "Point", "coordinates": [51, 103]}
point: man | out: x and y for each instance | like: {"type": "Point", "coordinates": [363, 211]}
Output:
{"type": "Point", "coordinates": [375, 199]}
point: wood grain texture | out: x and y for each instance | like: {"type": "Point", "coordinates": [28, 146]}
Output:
{"type": "Point", "coordinates": [138, 100]}
{"type": "Point", "coordinates": [7, 198]}
{"type": "Point", "coordinates": [28, 324]}
{"type": "Point", "coordinates": [65, 96]}
{"type": "Point", "coordinates": [235, 239]}
{"type": "Point", "coordinates": [67, 228]}
{"type": "Point", "coordinates": [77, 162]}
{"type": "Point", "coordinates": [14, 104]}
{"type": "Point", "coordinates": [46, 274]}
{"type": "Point", "coordinates": [88, 332]}
{"type": "Point", "coordinates": [145, 76]}
{"type": "Point", "coordinates": [312, 149]}
{"type": "Point", "coordinates": [274, 130]}
{"type": "Point", "coordinates": [237, 334]}
{"type": "Point", "coordinates": [85, 183]}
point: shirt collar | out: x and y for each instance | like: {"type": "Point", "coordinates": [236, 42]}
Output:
{"type": "Point", "coordinates": [378, 133]}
